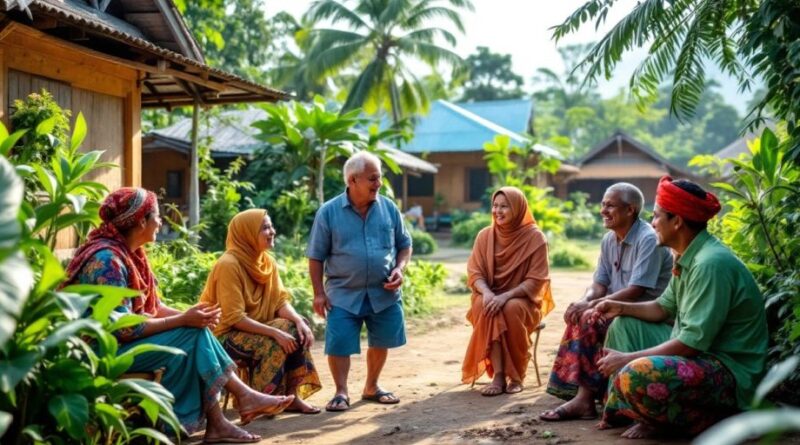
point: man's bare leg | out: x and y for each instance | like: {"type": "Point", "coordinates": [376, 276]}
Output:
{"type": "Point", "coordinates": [340, 368]}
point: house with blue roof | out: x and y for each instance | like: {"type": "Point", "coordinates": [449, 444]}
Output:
{"type": "Point", "coordinates": [452, 136]}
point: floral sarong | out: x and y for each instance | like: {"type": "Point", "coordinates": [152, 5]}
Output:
{"type": "Point", "coordinates": [672, 391]}
{"type": "Point", "coordinates": [272, 371]}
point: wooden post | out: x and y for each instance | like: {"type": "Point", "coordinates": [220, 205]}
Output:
{"type": "Point", "coordinates": [405, 190]}
{"type": "Point", "coordinates": [194, 174]}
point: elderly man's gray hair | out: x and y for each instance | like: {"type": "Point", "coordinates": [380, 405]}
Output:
{"type": "Point", "coordinates": [358, 163]}
{"type": "Point", "coordinates": [629, 194]}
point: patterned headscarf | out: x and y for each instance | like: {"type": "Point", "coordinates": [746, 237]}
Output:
{"type": "Point", "coordinates": [121, 211]}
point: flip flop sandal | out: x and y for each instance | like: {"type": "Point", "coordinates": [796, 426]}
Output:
{"type": "Point", "coordinates": [335, 403]}
{"type": "Point", "coordinates": [561, 415]}
{"type": "Point", "coordinates": [500, 390]}
{"type": "Point", "coordinates": [514, 388]}
{"type": "Point", "coordinates": [379, 396]}
{"type": "Point", "coordinates": [313, 410]}
{"type": "Point", "coordinates": [252, 439]}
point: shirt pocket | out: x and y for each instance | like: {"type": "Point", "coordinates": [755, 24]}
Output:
{"type": "Point", "coordinates": [387, 237]}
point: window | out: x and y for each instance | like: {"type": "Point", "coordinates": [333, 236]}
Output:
{"type": "Point", "coordinates": [175, 184]}
{"type": "Point", "coordinates": [420, 186]}
{"type": "Point", "coordinates": [478, 181]}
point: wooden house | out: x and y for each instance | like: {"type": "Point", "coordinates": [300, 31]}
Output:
{"type": "Point", "coordinates": [620, 158]}
{"type": "Point", "coordinates": [109, 60]}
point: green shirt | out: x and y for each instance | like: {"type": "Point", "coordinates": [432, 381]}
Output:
{"type": "Point", "coordinates": [719, 311]}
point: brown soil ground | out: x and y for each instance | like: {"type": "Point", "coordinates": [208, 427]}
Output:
{"type": "Point", "coordinates": [435, 407]}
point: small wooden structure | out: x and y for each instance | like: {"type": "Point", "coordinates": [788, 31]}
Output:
{"type": "Point", "coordinates": [110, 60]}
{"type": "Point", "coordinates": [620, 158]}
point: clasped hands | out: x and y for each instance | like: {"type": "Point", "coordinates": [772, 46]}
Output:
{"type": "Point", "coordinates": [493, 303]}
{"type": "Point", "coordinates": [202, 315]}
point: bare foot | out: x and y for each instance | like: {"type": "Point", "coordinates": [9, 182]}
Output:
{"type": "Point", "coordinates": [603, 425]}
{"type": "Point", "coordinates": [301, 406]}
{"type": "Point", "coordinates": [256, 404]}
{"type": "Point", "coordinates": [222, 430]}
{"type": "Point", "coordinates": [639, 431]}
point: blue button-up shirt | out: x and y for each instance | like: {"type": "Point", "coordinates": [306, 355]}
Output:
{"type": "Point", "coordinates": [359, 254]}
{"type": "Point", "coordinates": [636, 261]}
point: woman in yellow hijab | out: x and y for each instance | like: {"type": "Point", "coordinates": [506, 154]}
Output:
{"type": "Point", "coordinates": [259, 328]}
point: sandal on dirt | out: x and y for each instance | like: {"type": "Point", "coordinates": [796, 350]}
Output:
{"type": "Point", "coordinates": [500, 390]}
{"type": "Point", "coordinates": [514, 388]}
{"type": "Point", "coordinates": [250, 438]}
{"type": "Point", "coordinates": [560, 414]}
{"type": "Point", "coordinates": [381, 396]}
{"type": "Point", "coordinates": [312, 410]}
{"type": "Point", "coordinates": [336, 402]}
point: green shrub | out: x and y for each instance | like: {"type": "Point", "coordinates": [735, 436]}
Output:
{"type": "Point", "coordinates": [423, 242]}
{"type": "Point", "coordinates": [180, 279]}
{"type": "Point", "coordinates": [464, 232]}
{"type": "Point", "coordinates": [565, 254]}
{"type": "Point", "coordinates": [294, 273]}
{"type": "Point", "coordinates": [422, 279]}
{"type": "Point", "coordinates": [583, 220]}
{"type": "Point", "coordinates": [61, 372]}
{"type": "Point", "coordinates": [221, 202]}
{"type": "Point", "coordinates": [39, 112]}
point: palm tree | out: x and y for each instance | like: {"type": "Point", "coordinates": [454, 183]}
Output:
{"type": "Point", "coordinates": [383, 36]}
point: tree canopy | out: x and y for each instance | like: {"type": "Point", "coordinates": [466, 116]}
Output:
{"type": "Point", "coordinates": [491, 77]}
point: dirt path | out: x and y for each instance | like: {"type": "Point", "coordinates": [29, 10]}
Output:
{"type": "Point", "coordinates": [435, 407]}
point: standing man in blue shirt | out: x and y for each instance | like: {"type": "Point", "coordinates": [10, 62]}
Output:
{"type": "Point", "coordinates": [361, 246]}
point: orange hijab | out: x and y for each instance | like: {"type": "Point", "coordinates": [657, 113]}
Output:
{"type": "Point", "coordinates": [506, 256]}
{"type": "Point", "coordinates": [245, 280]}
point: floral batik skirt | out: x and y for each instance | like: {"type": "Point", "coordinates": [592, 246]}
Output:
{"type": "Point", "coordinates": [686, 393]}
{"type": "Point", "coordinates": [576, 360]}
{"type": "Point", "coordinates": [271, 370]}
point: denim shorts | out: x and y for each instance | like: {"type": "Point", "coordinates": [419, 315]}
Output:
{"type": "Point", "coordinates": [385, 329]}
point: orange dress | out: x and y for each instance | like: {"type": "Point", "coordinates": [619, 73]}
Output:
{"type": "Point", "coordinates": [506, 258]}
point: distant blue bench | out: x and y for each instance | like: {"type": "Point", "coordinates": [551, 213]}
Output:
{"type": "Point", "coordinates": [433, 223]}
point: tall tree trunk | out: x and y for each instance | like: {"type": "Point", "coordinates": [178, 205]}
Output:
{"type": "Point", "coordinates": [321, 175]}
{"type": "Point", "coordinates": [394, 100]}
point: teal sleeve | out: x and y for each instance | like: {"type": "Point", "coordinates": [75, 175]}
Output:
{"type": "Point", "coordinates": [667, 299]}
{"type": "Point", "coordinates": [704, 306]}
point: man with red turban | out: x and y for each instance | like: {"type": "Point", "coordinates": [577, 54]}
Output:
{"type": "Point", "coordinates": [709, 365]}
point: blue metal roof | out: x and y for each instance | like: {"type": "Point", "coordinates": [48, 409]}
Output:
{"type": "Point", "coordinates": [513, 114]}
{"type": "Point", "coordinates": [465, 127]}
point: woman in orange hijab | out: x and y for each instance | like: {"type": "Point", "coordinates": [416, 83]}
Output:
{"type": "Point", "coordinates": [509, 275]}
{"type": "Point", "coordinates": [258, 327]}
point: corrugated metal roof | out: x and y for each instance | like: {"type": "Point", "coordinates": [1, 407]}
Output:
{"type": "Point", "coordinates": [232, 134]}
{"type": "Point", "coordinates": [85, 18]}
{"type": "Point", "coordinates": [514, 115]}
{"type": "Point", "coordinates": [450, 127]}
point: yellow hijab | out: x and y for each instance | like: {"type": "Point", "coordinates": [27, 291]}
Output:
{"type": "Point", "coordinates": [245, 280]}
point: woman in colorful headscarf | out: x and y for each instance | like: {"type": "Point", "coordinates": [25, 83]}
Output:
{"type": "Point", "coordinates": [509, 274]}
{"type": "Point", "coordinates": [114, 255]}
{"type": "Point", "coordinates": [259, 328]}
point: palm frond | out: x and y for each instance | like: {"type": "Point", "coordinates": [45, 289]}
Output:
{"type": "Point", "coordinates": [392, 12]}
{"type": "Point", "coordinates": [365, 84]}
{"type": "Point", "coordinates": [428, 34]}
{"type": "Point", "coordinates": [324, 60]}
{"type": "Point", "coordinates": [419, 15]}
{"type": "Point", "coordinates": [335, 12]}
{"type": "Point", "coordinates": [428, 52]}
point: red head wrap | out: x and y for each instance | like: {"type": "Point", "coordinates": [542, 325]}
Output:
{"type": "Point", "coordinates": [678, 201]}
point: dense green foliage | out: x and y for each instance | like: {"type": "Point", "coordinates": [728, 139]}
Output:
{"type": "Point", "coordinates": [421, 280]}
{"type": "Point", "coordinates": [565, 254]}
{"type": "Point", "coordinates": [490, 77]}
{"type": "Point", "coordinates": [575, 118]}
{"type": "Point", "coordinates": [61, 372]}
{"type": "Point", "coordinates": [761, 226]}
{"type": "Point", "coordinates": [423, 242]}
{"type": "Point", "coordinates": [465, 231]}
{"type": "Point", "coordinates": [221, 201]}
{"type": "Point", "coordinates": [40, 111]}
